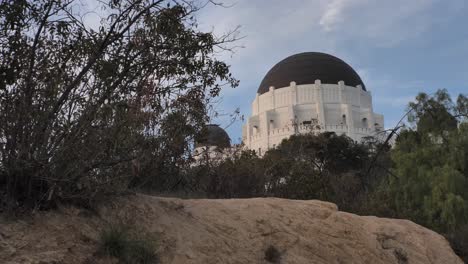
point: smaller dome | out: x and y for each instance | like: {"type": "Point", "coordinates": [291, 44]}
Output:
{"type": "Point", "coordinates": [213, 135]}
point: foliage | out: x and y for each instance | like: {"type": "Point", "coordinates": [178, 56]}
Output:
{"type": "Point", "coordinates": [113, 240]}
{"type": "Point", "coordinates": [429, 170]}
{"type": "Point", "coordinates": [84, 109]}
{"type": "Point", "coordinates": [431, 176]}
{"type": "Point", "coordinates": [436, 114]}
{"type": "Point", "coordinates": [163, 159]}
{"type": "Point", "coordinates": [325, 166]}
{"type": "Point", "coordinates": [119, 242]}
{"type": "Point", "coordinates": [239, 176]}
{"type": "Point", "coordinates": [459, 242]}
{"type": "Point", "coordinates": [401, 256]}
{"type": "Point", "coordinates": [272, 255]}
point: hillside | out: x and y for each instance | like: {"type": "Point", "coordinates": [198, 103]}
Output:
{"type": "Point", "coordinates": [225, 231]}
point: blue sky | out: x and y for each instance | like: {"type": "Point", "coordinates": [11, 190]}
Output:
{"type": "Point", "coordinates": [398, 47]}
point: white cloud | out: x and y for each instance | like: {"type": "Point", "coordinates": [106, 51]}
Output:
{"type": "Point", "coordinates": [378, 23]}
{"type": "Point", "coordinates": [274, 29]}
{"type": "Point", "coordinates": [333, 14]}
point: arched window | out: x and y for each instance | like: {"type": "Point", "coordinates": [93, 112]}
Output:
{"type": "Point", "coordinates": [343, 120]}
{"type": "Point", "coordinates": [364, 122]}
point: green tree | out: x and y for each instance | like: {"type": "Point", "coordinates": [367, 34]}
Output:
{"type": "Point", "coordinates": [430, 175]}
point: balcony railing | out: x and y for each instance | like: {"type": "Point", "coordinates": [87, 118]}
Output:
{"type": "Point", "coordinates": [291, 129]}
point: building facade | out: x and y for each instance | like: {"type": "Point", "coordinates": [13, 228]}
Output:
{"type": "Point", "coordinates": [310, 92]}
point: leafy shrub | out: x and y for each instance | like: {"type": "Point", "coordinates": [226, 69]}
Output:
{"type": "Point", "coordinates": [114, 241]}
{"type": "Point", "coordinates": [428, 173]}
{"type": "Point", "coordinates": [323, 166]}
{"type": "Point", "coordinates": [241, 176]}
{"type": "Point", "coordinates": [119, 242]}
{"type": "Point", "coordinates": [459, 242]}
{"type": "Point", "coordinates": [272, 255]}
{"type": "Point", "coordinates": [401, 256]}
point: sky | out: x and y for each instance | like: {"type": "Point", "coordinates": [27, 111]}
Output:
{"type": "Point", "coordinates": [398, 47]}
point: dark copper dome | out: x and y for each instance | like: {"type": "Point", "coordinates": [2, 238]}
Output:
{"type": "Point", "coordinates": [305, 68]}
{"type": "Point", "coordinates": [213, 135]}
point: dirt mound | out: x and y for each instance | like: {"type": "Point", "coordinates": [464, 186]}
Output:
{"type": "Point", "coordinates": [225, 231]}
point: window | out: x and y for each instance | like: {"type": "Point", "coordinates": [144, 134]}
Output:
{"type": "Point", "coordinates": [377, 126]}
{"type": "Point", "coordinates": [259, 151]}
{"type": "Point", "coordinates": [343, 120]}
{"type": "Point", "coordinates": [364, 122]}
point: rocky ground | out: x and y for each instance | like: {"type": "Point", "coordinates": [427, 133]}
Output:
{"type": "Point", "coordinates": [224, 231]}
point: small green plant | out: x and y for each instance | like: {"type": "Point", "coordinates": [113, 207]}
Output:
{"type": "Point", "coordinates": [120, 242]}
{"type": "Point", "coordinates": [401, 256]}
{"type": "Point", "coordinates": [142, 252]}
{"type": "Point", "coordinates": [114, 241]}
{"type": "Point", "coordinates": [272, 255]}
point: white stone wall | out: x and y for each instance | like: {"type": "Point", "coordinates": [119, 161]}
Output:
{"type": "Point", "coordinates": [317, 107]}
{"type": "Point", "coordinates": [214, 154]}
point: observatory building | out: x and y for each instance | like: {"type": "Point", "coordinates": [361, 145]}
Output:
{"type": "Point", "coordinates": [213, 143]}
{"type": "Point", "coordinates": [310, 92]}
